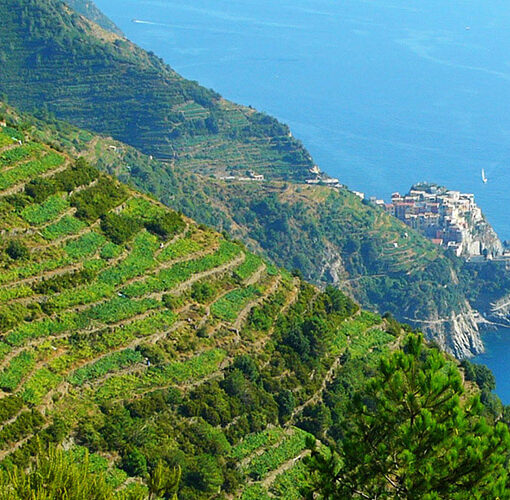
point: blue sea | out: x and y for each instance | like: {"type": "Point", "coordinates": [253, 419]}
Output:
{"type": "Point", "coordinates": [383, 93]}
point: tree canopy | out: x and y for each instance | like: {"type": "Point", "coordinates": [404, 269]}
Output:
{"type": "Point", "coordinates": [415, 434]}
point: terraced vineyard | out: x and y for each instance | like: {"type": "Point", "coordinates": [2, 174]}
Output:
{"type": "Point", "coordinates": [187, 124]}
{"type": "Point", "coordinates": [126, 329]}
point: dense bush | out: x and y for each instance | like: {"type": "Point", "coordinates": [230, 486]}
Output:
{"type": "Point", "coordinates": [166, 225]}
{"type": "Point", "coordinates": [62, 282]}
{"type": "Point", "coordinates": [17, 250]}
{"type": "Point", "coordinates": [97, 200]}
{"type": "Point", "coordinates": [119, 228]}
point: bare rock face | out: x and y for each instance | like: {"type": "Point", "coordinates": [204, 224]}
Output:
{"type": "Point", "coordinates": [499, 312]}
{"type": "Point", "coordinates": [482, 238]}
{"type": "Point", "coordinates": [333, 266]}
{"type": "Point", "coordinates": [458, 334]}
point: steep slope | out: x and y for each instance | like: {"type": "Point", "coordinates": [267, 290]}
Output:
{"type": "Point", "coordinates": [101, 81]}
{"type": "Point", "coordinates": [53, 58]}
{"type": "Point", "coordinates": [328, 234]}
{"type": "Point", "coordinates": [128, 330]}
{"type": "Point", "coordinates": [88, 9]}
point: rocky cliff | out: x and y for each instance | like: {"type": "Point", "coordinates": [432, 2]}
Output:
{"type": "Point", "coordinates": [458, 334]}
{"type": "Point", "coordinates": [499, 312]}
{"type": "Point", "coordinates": [481, 238]}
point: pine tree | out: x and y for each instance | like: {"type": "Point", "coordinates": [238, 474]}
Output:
{"type": "Point", "coordinates": [164, 483]}
{"type": "Point", "coordinates": [415, 435]}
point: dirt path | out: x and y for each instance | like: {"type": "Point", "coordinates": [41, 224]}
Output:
{"type": "Point", "coordinates": [211, 272]}
{"type": "Point", "coordinates": [4, 149]}
{"type": "Point", "coordinates": [19, 187]}
{"type": "Point", "coordinates": [13, 447]}
{"type": "Point", "coordinates": [243, 315]}
{"type": "Point", "coordinates": [318, 393]}
{"type": "Point", "coordinates": [169, 243]}
{"type": "Point", "coordinates": [270, 478]}
{"type": "Point", "coordinates": [256, 276]}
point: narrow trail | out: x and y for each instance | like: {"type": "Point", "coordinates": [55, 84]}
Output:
{"type": "Point", "coordinates": [243, 315]}
{"type": "Point", "coordinates": [44, 275]}
{"type": "Point", "coordinates": [316, 396]}
{"type": "Point", "coordinates": [4, 149]}
{"type": "Point", "coordinates": [64, 239]}
{"type": "Point", "coordinates": [29, 345]}
{"type": "Point", "coordinates": [270, 478]}
{"type": "Point", "coordinates": [256, 276]}
{"type": "Point", "coordinates": [151, 339]}
{"type": "Point", "coordinates": [169, 264]}
{"type": "Point", "coordinates": [228, 360]}
{"type": "Point", "coordinates": [174, 240]}
{"type": "Point", "coordinates": [19, 187]}
{"type": "Point", "coordinates": [13, 447]}
{"type": "Point", "coordinates": [23, 161]}
{"type": "Point", "coordinates": [259, 451]}
{"type": "Point", "coordinates": [211, 272]}
{"type": "Point", "coordinates": [328, 378]}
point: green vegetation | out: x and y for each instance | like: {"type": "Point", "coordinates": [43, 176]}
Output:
{"type": "Point", "coordinates": [120, 337]}
{"type": "Point", "coordinates": [251, 264]}
{"type": "Point", "coordinates": [97, 200]}
{"type": "Point", "coordinates": [98, 369]}
{"type": "Point", "coordinates": [183, 271]}
{"type": "Point", "coordinates": [31, 169]}
{"type": "Point", "coordinates": [121, 325]}
{"type": "Point", "coordinates": [57, 474]}
{"type": "Point", "coordinates": [66, 226]}
{"type": "Point", "coordinates": [387, 266]}
{"type": "Point", "coordinates": [287, 449]}
{"type": "Point", "coordinates": [93, 78]}
{"type": "Point", "coordinates": [45, 212]}
{"type": "Point", "coordinates": [411, 436]}
{"type": "Point", "coordinates": [18, 368]}
{"type": "Point", "coordinates": [90, 11]}
{"type": "Point", "coordinates": [229, 306]}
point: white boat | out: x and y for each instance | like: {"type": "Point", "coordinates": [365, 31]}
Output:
{"type": "Point", "coordinates": [484, 179]}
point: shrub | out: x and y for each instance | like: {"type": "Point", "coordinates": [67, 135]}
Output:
{"type": "Point", "coordinates": [40, 189]}
{"type": "Point", "coordinates": [135, 463]}
{"type": "Point", "coordinates": [95, 201]}
{"type": "Point", "coordinates": [119, 228]}
{"type": "Point", "coordinates": [166, 225]}
{"type": "Point", "coordinates": [17, 250]}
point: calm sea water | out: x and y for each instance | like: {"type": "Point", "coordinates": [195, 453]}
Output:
{"type": "Point", "coordinates": [497, 358]}
{"type": "Point", "coordinates": [383, 93]}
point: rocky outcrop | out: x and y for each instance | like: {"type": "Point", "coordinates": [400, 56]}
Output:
{"type": "Point", "coordinates": [458, 334]}
{"type": "Point", "coordinates": [499, 312]}
{"type": "Point", "coordinates": [481, 239]}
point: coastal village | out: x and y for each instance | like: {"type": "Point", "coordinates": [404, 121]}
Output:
{"type": "Point", "coordinates": [450, 219]}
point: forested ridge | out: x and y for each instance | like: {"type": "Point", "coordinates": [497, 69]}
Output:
{"type": "Point", "coordinates": [88, 9]}
{"type": "Point", "coordinates": [55, 59]}
{"type": "Point", "coordinates": [328, 235]}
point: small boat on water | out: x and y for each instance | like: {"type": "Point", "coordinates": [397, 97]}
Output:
{"type": "Point", "coordinates": [484, 179]}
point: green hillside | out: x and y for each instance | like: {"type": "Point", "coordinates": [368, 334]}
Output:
{"type": "Point", "coordinates": [120, 316]}
{"type": "Point", "coordinates": [88, 9]}
{"type": "Point", "coordinates": [327, 234]}
{"type": "Point", "coordinates": [100, 81]}
{"type": "Point", "coordinates": [150, 346]}
{"type": "Point", "coordinates": [56, 60]}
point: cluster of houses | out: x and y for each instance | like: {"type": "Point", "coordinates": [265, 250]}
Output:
{"type": "Point", "coordinates": [250, 176]}
{"type": "Point", "coordinates": [319, 178]}
{"type": "Point", "coordinates": [449, 218]}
